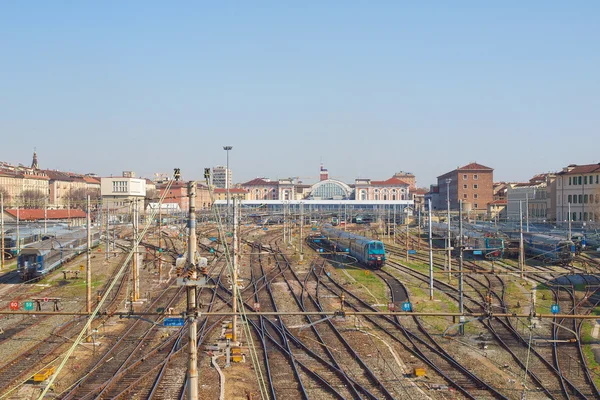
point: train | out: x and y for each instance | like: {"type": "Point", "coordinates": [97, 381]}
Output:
{"type": "Point", "coordinates": [40, 258]}
{"type": "Point", "coordinates": [485, 244]}
{"type": "Point", "coordinates": [27, 235]}
{"type": "Point", "coordinates": [549, 249]}
{"type": "Point", "coordinates": [368, 252]}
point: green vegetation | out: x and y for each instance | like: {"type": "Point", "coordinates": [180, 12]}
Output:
{"type": "Point", "coordinates": [372, 282]}
{"type": "Point", "coordinates": [586, 341]}
{"type": "Point", "coordinates": [544, 299]}
{"type": "Point", "coordinates": [516, 295]}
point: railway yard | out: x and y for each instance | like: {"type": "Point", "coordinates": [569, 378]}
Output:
{"type": "Point", "coordinates": [335, 335]}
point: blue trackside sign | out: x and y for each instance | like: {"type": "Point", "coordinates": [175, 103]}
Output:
{"type": "Point", "coordinates": [412, 252]}
{"type": "Point", "coordinates": [477, 252]}
{"type": "Point", "coordinates": [174, 322]}
{"type": "Point", "coordinates": [555, 309]}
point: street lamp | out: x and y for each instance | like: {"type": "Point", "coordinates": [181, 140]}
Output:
{"type": "Point", "coordinates": [227, 148]}
{"type": "Point", "coordinates": [448, 206]}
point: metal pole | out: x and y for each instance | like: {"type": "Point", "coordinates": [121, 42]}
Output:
{"type": "Point", "coordinates": [569, 221]}
{"type": "Point", "coordinates": [46, 215]}
{"type": "Point", "coordinates": [430, 255]}
{"type": "Point", "coordinates": [192, 372]}
{"type": "Point", "coordinates": [227, 148]}
{"type": "Point", "coordinates": [18, 232]}
{"type": "Point", "coordinates": [301, 230]}
{"type": "Point", "coordinates": [461, 328]}
{"type": "Point", "coordinates": [159, 241]}
{"type": "Point", "coordinates": [136, 281]}
{"type": "Point", "coordinates": [521, 246]}
{"type": "Point", "coordinates": [527, 209]}
{"type": "Point", "coordinates": [2, 229]}
{"type": "Point", "coordinates": [419, 228]}
{"type": "Point", "coordinates": [107, 237]}
{"type": "Point", "coordinates": [448, 239]}
{"type": "Point", "coordinates": [235, 270]}
{"type": "Point", "coordinates": [406, 241]}
{"type": "Point", "coordinates": [88, 269]}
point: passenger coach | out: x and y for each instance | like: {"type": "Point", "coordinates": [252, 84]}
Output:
{"type": "Point", "coordinates": [367, 251]}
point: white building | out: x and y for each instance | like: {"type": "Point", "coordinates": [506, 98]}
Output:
{"type": "Point", "coordinates": [578, 191]}
{"type": "Point", "coordinates": [220, 175]}
{"type": "Point", "coordinates": [120, 194]}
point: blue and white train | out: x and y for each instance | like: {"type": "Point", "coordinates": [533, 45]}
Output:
{"type": "Point", "coordinates": [367, 251]}
{"type": "Point", "coordinates": [486, 244]}
{"type": "Point", "coordinates": [38, 259]}
{"type": "Point", "coordinates": [546, 248]}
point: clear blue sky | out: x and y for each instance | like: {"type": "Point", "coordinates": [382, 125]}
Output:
{"type": "Point", "coordinates": [369, 88]}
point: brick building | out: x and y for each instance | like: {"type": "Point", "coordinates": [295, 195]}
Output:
{"type": "Point", "coordinates": [472, 183]}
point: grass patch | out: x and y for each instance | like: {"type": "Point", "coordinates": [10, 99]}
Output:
{"type": "Point", "coordinates": [516, 296]}
{"type": "Point", "coordinates": [371, 281]}
{"type": "Point", "coordinates": [544, 299]}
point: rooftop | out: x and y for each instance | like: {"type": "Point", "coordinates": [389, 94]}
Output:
{"type": "Point", "coordinates": [35, 214]}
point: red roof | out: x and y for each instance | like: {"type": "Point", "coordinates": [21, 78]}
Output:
{"type": "Point", "coordinates": [420, 191]}
{"type": "Point", "coordinates": [37, 214]}
{"type": "Point", "coordinates": [231, 190]}
{"type": "Point", "coordinates": [393, 181]}
{"type": "Point", "coordinates": [473, 166]}
{"type": "Point", "coordinates": [581, 169]}
{"type": "Point", "coordinates": [91, 179]}
{"type": "Point", "coordinates": [498, 202]}
{"type": "Point", "coordinates": [259, 182]}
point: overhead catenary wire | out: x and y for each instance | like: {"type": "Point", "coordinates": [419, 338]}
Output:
{"type": "Point", "coordinates": [104, 297]}
{"type": "Point", "coordinates": [242, 310]}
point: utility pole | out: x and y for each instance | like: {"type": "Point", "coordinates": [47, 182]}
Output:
{"type": "Point", "coordinates": [159, 241]}
{"type": "Point", "coordinates": [227, 148]}
{"type": "Point", "coordinates": [18, 232]}
{"type": "Point", "coordinates": [527, 209]}
{"type": "Point", "coordinates": [107, 222]}
{"type": "Point", "coordinates": [569, 221]}
{"type": "Point", "coordinates": [235, 270]}
{"type": "Point", "coordinates": [302, 230]}
{"type": "Point", "coordinates": [449, 240]}
{"type": "Point", "coordinates": [521, 246]}
{"type": "Point", "coordinates": [46, 215]}
{"type": "Point", "coordinates": [191, 297]}
{"type": "Point", "coordinates": [461, 328]}
{"type": "Point", "coordinates": [88, 269]}
{"type": "Point", "coordinates": [419, 228]}
{"type": "Point", "coordinates": [430, 255]}
{"type": "Point", "coordinates": [2, 229]}
{"type": "Point", "coordinates": [136, 265]}
{"type": "Point", "coordinates": [406, 241]}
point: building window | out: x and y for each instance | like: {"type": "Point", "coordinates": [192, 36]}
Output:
{"type": "Point", "coordinates": [580, 199]}
{"type": "Point", "coordinates": [579, 180]}
{"type": "Point", "coordinates": [464, 177]}
{"type": "Point", "coordinates": [585, 198]}
{"type": "Point", "coordinates": [574, 217]}
{"type": "Point", "coordinates": [597, 179]}
{"type": "Point", "coordinates": [475, 177]}
{"type": "Point", "coordinates": [585, 216]}
{"type": "Point", "coordinates": [597, 198]}
{"type": "Point", "coordinates": [465, 186]}
{"type": "Point", "coordinates": [585, 180]}
{"type": "Point", "coordinates": [570, 198]}
{"type": "Point", "coordinates": [475, 186]}
{"type": "Point", "coordinates": [465, 196]}
{"type": "Point", "coordinates": [591, 179]}
{"type": "Point", "coordinates": [474, 195]}
{"type": "Point", "coordinates": [569, 180]}
{"type": "Point", "coordinates": [475, 205]}
{"type": "Point", "coordinates": [574, 199]}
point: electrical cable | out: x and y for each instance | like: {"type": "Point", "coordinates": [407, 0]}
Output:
{"type": "Point", "coordinates": [101, 302]}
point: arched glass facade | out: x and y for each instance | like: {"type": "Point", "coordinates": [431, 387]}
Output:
{"type": "Point", "coordinates": [330, 190]}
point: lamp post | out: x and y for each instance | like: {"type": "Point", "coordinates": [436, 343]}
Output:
{"type": "Point", "coordinates": [448, 246]}
{"type": "Point", "coordinates": [227, 148]}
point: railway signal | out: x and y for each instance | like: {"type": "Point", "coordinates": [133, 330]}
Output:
{"type": "Point", "coordinates": [555, 308]}
{"type": "Point", "coordinates": [14, 306]}
{"type": "Point", "coordinates": [28, 305]}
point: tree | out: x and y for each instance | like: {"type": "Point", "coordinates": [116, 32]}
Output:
{"type": "Point", "coordinates": [32, 198]}
{"type": "Point", "coordinates": [5, 195]}
{"type": "Point", "coordinates": [78, 198]}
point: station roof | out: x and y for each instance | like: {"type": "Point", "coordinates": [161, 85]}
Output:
{"type": "Point", "coordinates": [35, 214]}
